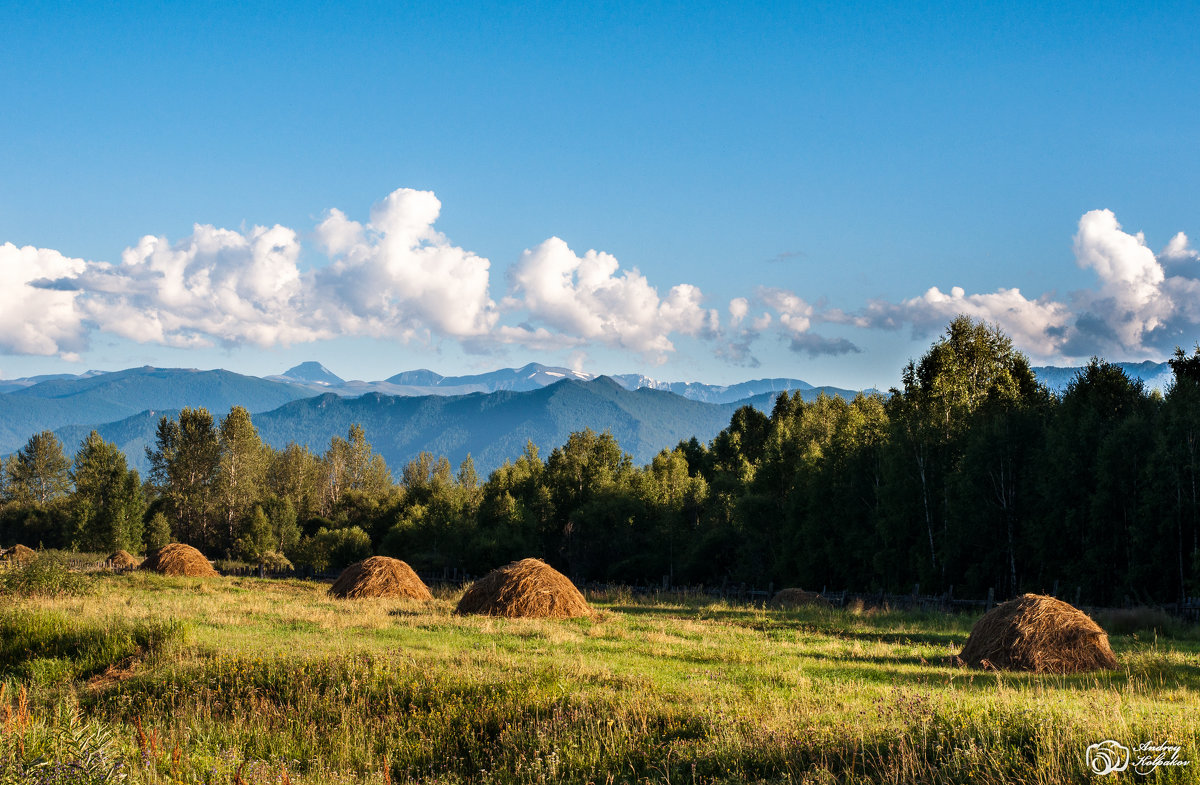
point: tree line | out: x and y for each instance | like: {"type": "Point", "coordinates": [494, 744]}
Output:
{"type": "Point", "coordinates": [971, 475]}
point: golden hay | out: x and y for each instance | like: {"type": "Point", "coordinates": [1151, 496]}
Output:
{"type": "Point", "coordinates": [19, 554]}
{"type": "Point", "coordinates": [121, 560]}
{"type": "Point", "coordinates": [379, 576]}
{"type": "Point", "coordinates": [795, 598]}
{"type": "Point", "coordinates": [178, 559]}
{"type": "Point", "coordinates": [529, 588]}
{"type": "Point", "coordinates": [1039, 634]}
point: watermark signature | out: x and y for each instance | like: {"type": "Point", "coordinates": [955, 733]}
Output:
{"type": "Point", "coordinates": [1111, 757]}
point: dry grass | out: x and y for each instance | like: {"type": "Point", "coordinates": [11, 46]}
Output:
{"type": "Point", "coordinates": [121, 560]}
{"type": "Point", "coordinates": [179, 560]}
{"type": "Point", "coordinates": [528, 588]}
{"type": "Point", "coordinates": [705, 692]}
{"type": "Point", "coordinates": [1038, 634]}
{"type": "Point", "coordinates": [379, 576]}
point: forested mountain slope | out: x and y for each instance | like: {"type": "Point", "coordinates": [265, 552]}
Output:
{"type": "Point", "coordinates": [108, 397]}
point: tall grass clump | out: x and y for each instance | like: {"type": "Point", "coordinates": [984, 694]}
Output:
{"type": "Point", "coordinates": [50, 646]}
{"type": "Point", "coordinates": [57, 747]}
{"type": "Point", "coordinates": [45, 576]}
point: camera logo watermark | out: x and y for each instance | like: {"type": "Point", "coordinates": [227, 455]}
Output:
{"type": "Point", "coordinates": [1107, 757]}
{"type": "Point", "coordinates": [1111, 757]}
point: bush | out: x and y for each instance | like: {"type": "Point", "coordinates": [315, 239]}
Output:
{"type": "Point", "coordinates": [334, 549]}
{"type": "Point", "coordinates": [47, 575]}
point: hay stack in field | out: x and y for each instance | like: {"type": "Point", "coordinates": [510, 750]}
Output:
{"type": "Point", "coordinates": [121, 560]}
{"type": "Point", "coordinates": [796, 598]}
{"type": "Point", "coordinates": [19, 554]}
{"type": "Point", "coordinates": [178, 559]}
{"type": "Point", "coordinates": [1039, 634]}
{"type": "Point", "coordinates": [529, 588]}
{"type": "Point", "coordinates": [379, 576]}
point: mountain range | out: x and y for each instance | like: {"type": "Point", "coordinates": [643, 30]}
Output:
{"type": "Point", "coordinates": [489, 415]}
{"type": "Point", "coordinates": [1156, 376]}
{"type": "Point", "coordinates": [319, 379]}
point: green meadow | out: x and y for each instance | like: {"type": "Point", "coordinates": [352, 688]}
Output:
{"type": "Point", "coordinates": [140, 678]}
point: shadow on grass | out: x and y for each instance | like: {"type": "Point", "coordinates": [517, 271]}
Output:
{"type": "Point", "coordinates": [888, 670]}
{"type": "Point", "coordinates": [940, 639]}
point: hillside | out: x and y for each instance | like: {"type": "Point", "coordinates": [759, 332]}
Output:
{"type": "Point", "coordinates": [492, 427]}
{"type": "Point", "coordinates": [109, 397]}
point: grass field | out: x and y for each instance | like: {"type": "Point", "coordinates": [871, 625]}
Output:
{"type": "Point", "coordinates": [146, 679]}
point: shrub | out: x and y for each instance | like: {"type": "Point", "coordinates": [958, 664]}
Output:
{"type": "Point", "coordinates": [47, 575]}
{"type": "Point", "coordinates": [334, 549]}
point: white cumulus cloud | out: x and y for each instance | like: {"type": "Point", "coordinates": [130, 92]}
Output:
{"type": "Point", "coordinates": [1142, 304]}
{"type": "Point", "coordinates": [215, 285]}
{"type": "Point", "coordinates": [589, 297]}
{"type": "Point", "coordinates": [397, 276]}
{"type": "Point", "coordinates": [1034, 325]}
{"type": "Point", "coordinates": [37, 319]}
{"type": "Point", "coordinates": [394, 276]}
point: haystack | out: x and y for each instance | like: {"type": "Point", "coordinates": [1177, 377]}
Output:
{"type": "Point", "coordinates": [1039, 634]}
{"type": "Point", "coordinates": [529, 588]}
{"type": "Point", "coordinates": [379, 576]}
{"type": "Point", "coordinates": [121, 560]}
{"type": "Point", "coordinates": [796, 598]}
{"type": "Point", "coordinates": [20, 554]}
{"type": "Point", "coordinates": [178, 559]}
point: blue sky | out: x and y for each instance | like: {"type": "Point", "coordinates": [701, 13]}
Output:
{"type": "Point", "coordinates": [769, 190]}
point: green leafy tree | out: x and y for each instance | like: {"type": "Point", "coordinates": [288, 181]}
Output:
{"type": "Point", "coordinates": [296, 474]}
{"type": "Point", "coordinates": [675, 499]}
{"type": "Point", "coordinates": [241, 474]}
{"type": "Point", "coordinates": [158, 531]}
{"type": "Point", "coordinates": [39, 473]}
{"type": "Point", "coordinates": [590, 484]}
{"type": "Point", "coordinates": [334, 549]}
{"type": "Point", "coordinates": [433, 526]}
{"type": "Point", "coordinates": [108, 503]}
{"type": "Point", "coordinates": [35, 507]}
{"type": "Point", "coordinates": [350, 464]}
{"type": "Point", "coordinates": [973, 364]}
{"type": "Point", "coordinates": [1177, 470]}
{"type": "Point", "coordinates": [513, 519]}
{"type": "Point", "coordinates": [256, 542]}
{"type": "Point", "coordinates": [185, 464]}
{"type": "Point", "coordinates": [1098, 447]}
{"type": "Point", "coordinates": [285, 528]}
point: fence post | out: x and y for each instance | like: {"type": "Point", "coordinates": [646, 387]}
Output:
{"type": "Point", "coordinates": [991, 598]}
{"type": "Point", "coordinates": [1078, 591]}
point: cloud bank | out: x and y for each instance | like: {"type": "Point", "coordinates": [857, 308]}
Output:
{"type": "Point", "coordinates": [1142, 304]}
{"type": "Point", "coordinates": [392, 277]}
{"type": "Point", "coordinates": [396, 277]}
